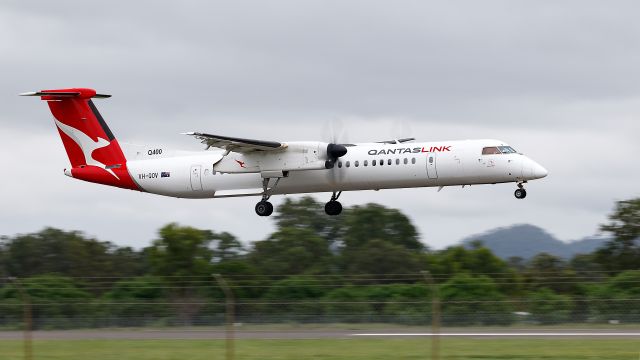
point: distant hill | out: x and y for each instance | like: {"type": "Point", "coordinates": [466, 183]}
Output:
{"type": "Point", "coordinates": [527, 241]}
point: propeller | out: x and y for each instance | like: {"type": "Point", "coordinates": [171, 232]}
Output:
{"type": "Point", "coordinates": [401, 129]}
{"type": "Point", "coordinates": [334, 151]}
{"type": "Point", "coordinates": [334, 134]}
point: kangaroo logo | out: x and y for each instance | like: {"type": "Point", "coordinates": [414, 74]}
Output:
{"type": "Point", "coordinates": [241, 163]}
{"type": "Point", "coordinates": [86, 144]}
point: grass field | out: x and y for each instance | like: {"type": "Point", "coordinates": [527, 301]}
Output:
{"type": "Point", "coordinates": [360, 349]}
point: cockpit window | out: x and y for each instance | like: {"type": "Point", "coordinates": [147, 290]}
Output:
{"type": "Point", "coordinates": [507, 150]}
{"type": "Point", "coordinates": [490, 150]}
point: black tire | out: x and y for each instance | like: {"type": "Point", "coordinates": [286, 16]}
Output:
{"type": "Point", "coordinates": [524, 193]}
{"type": "Point", "coordinates": [264, 208]}
{"type": "Point", "coordinates": [269, 208]}
{"type": "Point", "coordinates": [520, 193]}
{"type": "Point", "coordinates": [333, 208]}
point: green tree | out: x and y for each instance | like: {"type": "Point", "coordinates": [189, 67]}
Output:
{"type": "Point", "coordinates": [68, 253]}
{"type": "Point", "coordinates": [3, 255]}
{"type": "Point", "coordinates": [57, 302]}
{"type": "Point", "coordinates": [548, 307]}
{"type": "Point", "coordinates": [400, 303]}
{"type": "Point", "coordinates": [549, 271]}
{"type": "Point", "coordinates": [307, 213]}
{"type": "Point", "coordinates": [182, 257]}
{"type": "Point", "coordinates": [181, 254]}
{"type": "Point", "coordinates": [295, 298]}
{"type": "Point", "coordinates": [291, 251]}
{"type": "Point", "coordinates": [469, 300]}
{"type": "Point", "coordinates": [348, 304]}
{"type": "Point", "coordinates": [475, 260]}
{"type": "Point", "coordinates": [623, 251]}
{"type": "Point", "coordinates": [618, 298]}
{"type": "Point", "coordinates": [586, 267]}
{"type": "Point", "coordinates": [373, 221]}
{"type": "Point", "coordinates": [379, 257]}
{"type": "Point", "coordinates": [137, 301]}
{"type": "Point", "coordinates": [227, 247]}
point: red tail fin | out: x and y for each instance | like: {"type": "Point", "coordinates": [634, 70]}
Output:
{"type": "Point", "coordinates": [94, 152]}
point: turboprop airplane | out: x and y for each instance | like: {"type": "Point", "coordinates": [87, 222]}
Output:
{"type": "Point", "coordinates": [245, 167]}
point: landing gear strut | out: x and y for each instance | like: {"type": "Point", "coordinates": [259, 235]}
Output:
{"type": "Point", "coordinates": [333, 207]}
{"type": "Point", "coordinates": [520, 192]}
{"type": "Point", "coordinates": [264, 207]}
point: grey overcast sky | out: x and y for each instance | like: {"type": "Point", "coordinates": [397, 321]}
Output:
{"type": "Point", "coordinates": [558, 80]}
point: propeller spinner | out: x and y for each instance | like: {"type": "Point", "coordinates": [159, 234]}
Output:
{"type": "Point", "coordinates": [334, 151]}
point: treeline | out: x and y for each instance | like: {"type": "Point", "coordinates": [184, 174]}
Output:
{"type": "Point", "coordinates": [367, 265]}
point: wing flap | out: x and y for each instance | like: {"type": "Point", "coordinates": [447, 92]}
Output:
{"type": "Point", "coordinates": [396, 141]}
{"type": "Point", "coordinates": [236, 144]}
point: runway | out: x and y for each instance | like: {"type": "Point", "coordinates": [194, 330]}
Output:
{"type": "Point", "coordinates": [218, 334]}
{"type": "Point", "coordinates": [542, 334]}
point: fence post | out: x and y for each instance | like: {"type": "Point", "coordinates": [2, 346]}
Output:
{"type": "Point", "coordinates": [27, 318]}
{"type": "Point", "coordinates": [229, 317]}
{"type": "Point", "coordinates": [435, 315]}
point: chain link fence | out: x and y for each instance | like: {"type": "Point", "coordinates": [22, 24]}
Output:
{"type": "Point", "coordinates": [105, 303]}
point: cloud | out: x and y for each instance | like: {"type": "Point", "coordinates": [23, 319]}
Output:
{"type": "Point", "coordinates": [558, 81]}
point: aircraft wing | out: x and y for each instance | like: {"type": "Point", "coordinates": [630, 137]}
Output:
{"type": "Point", "coordinates": [396, 141]}
{"type": "Point", "coordinates": [236, 144]}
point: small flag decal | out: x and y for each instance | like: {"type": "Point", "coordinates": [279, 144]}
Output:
{"type": "Point", "coordinates": [165, 174]}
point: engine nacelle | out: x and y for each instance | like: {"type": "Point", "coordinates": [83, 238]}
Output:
{"type": "Point", "coordinates": [296, 156]}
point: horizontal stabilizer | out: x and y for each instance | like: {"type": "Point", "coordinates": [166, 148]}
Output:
{"type": "Point", "coordinates": [66, 93]}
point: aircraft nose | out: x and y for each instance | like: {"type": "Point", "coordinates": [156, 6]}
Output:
{"type": "Point", "coordinates": [539, 172]}
{"type": "Point", "coordinates": [534, 170]}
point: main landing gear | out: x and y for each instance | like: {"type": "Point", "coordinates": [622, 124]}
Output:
{"type": "Point", "coordinates": [520, 192]}
{"type": "Point", "coordinates": [264, 207]}
{"type": "Point", "coordinates": [333, 207]}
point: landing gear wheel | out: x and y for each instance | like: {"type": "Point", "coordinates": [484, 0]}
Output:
{"type": "Point", "coordinates": [520, 193]}
{"type": "Point", "coordinates": [333, 208]}
{"type": "Point", "coordinates": [264, 208]}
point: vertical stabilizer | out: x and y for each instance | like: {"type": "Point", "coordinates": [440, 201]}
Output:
{"type": "Point", "coordinates": [93, 151]}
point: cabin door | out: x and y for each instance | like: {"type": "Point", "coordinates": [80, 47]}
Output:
{"type": "Point", "coordinates": [196, 179]}
{"type": "Point", "coordinates": [432, 171]}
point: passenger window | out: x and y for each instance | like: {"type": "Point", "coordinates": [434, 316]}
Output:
{"type": "Point", "coordinates": [373, 163]}
{"type": "Point", "coordinates": [430, 160]}
{"type": "Point", "coordinates": [406, 161]}
{"type": "Point", "coordinates": [490, 150]}
{"type": "Point", "coordinates": [356, 163]}
{"type": "Point", "coordinates": [366, 163]}
{"type": "Point", "coordinates": [348, 164]}
{"type": "Point", "coordinates": [381, 162]}
{"type": "Point", "coordinates": [413, 160]}
{"type": "Point", "coordinates": [389, 162]}
{"type": "Point", "coordinates": [397, 161]}
{"type": "Point", "coordinates": [340, 164]}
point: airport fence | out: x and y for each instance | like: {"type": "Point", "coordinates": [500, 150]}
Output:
{"type": "Point", "coordinates": [397, 299]}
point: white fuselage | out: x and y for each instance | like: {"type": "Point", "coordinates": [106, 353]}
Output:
{"type": "Point", "coordinates": [211, 173]}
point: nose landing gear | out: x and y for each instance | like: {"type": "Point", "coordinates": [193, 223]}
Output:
{"type": "Point", "coordinates": [333, 207]}
{"type": "Point", "coordinates": [520, 192]}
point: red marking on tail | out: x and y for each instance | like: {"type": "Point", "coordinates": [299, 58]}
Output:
{"type": "Point", "coordinates": [93, 151]}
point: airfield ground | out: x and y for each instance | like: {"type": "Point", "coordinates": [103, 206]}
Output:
{"type": "Point", "coordinates": [347, 348]}
{"type": "Point", "coordinates": [335, 341]}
